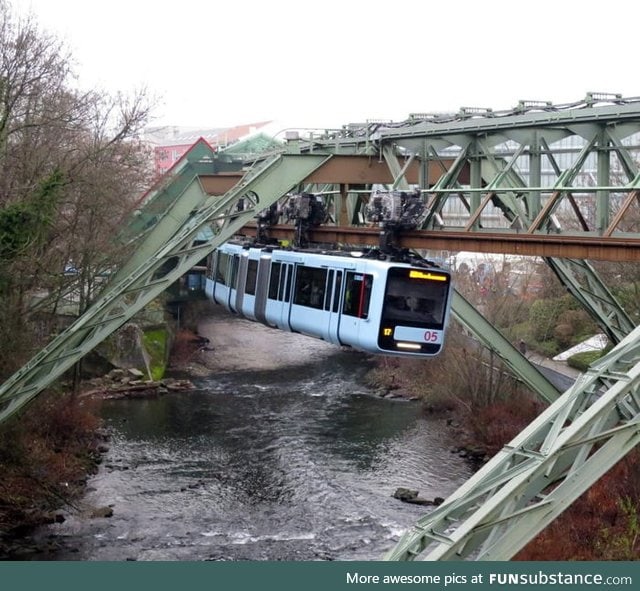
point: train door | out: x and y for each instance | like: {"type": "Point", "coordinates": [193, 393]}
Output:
{"type": "Point", "coordinates": [354, 306]}
{"type": "Point", "coordinates": [241, 281]}
{"type": "Point", "coordinates": [262, 288]}
{"type": "Point", "coordinates": [332, 305]}
{"type": "Point", "coordinates": [233, 282]}
{"type": "Point", "coordinates": [287, 273]}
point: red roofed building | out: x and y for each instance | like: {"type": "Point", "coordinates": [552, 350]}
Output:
{"type": "Point", "coordinates": [170, 143]}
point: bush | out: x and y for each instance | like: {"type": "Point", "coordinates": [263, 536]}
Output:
{"type": "Point", "coordinates": [45, 454]}
{"type": "Point", "coordinates": [583, 360]}
{"type": "Point", "coordinates": [494, 426]}
{"type": "Point", "coordinates": [602, 524]}
{"type": "Point", "coordinates": [546, 348]}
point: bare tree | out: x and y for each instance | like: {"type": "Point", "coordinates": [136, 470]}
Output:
{"type": "Point", "coordinates": [71, 168]}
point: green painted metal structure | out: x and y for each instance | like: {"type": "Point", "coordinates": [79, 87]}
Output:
{"type": "Point", "coordinates": [173, 250]}
{"type": "Point", "coordinates": [495, 148]}
{"type": "Point", "coordinates": [542, 471]}
{"type": "Point", "coordinates": [507, 173]}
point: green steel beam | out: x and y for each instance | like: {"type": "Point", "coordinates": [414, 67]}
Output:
{"type": "Point", "coordinates": [586, 286]}
{"type": "Point", "coordinates": [448, 180]}
{"type": "Point", "coordinates": [199, 159]}
{"type": "Point", "coordinates": [576, 118]}
{"type": "Point", "coordinates": [175, 212]}
{"type": "Point", "coordinates": [603, 180]}
{"type": "Point", "coordinates": [475, 180]}
{"type": "Point", "coordinates": [261, 187]}
{"type": "Point", "coordinates": [628, 164]}
{"type": "Point", "coordinates": [579, 277]}
{"type": "Point", "coordinates": [397, 172]}
{"type": "Point", "coordinates": [542, 471]}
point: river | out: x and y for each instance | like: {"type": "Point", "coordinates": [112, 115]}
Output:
{"type": "Point", "coordinates": [293, 462]}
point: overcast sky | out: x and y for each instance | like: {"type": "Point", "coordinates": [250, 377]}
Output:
{"type": "Point", "coordinates": [330, 62]}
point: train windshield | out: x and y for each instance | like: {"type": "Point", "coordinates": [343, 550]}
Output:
{"type": "Point", "coordinates": [416, 297]}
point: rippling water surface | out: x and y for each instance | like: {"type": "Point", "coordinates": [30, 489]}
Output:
{"type": "Point", "coordinates": [297, 463]}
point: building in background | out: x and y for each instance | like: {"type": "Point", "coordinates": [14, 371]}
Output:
{"type": "Point", "coordinates": [169, 143]}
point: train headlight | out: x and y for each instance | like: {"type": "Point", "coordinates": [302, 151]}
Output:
{"type": "Point", "coordinates": [412, 346]}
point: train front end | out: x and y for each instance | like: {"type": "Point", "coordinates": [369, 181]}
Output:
{"type": "Point", "coordinates": [415, 311]}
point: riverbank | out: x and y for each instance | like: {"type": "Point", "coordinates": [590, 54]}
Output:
{"type": "Point", "coordinates": [46, 459]}
{"type": "Point", "coordinates": [600, 525]}
{"type": "Point", "coordinates": [50, 450]}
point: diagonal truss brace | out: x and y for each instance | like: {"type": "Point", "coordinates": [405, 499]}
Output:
{"type": "Point", "coordinates": [398, 173]}
{"type": "Point", "coordinates": [584, 283]}
{"type": "Point", "coordinates": [179, 253]}
{"type": "Point", "coordinates": [542, 471]}
{"type": "Point", "coordinates": [579, 277]}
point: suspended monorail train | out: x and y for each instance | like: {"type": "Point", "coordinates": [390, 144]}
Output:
{"type": "Point", "coordinates": [373, 305]}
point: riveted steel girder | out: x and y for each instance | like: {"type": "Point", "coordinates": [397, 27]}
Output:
{"type": "Point", "coordinates": [176, 251]}
{"type": "Point", "coordinates": [578, 276]}
{"type": "Point", "coordinates": [548, 119]}
{"type": "Point", "coordinates": [164, 197]}
{"type": "Point", "coordinates": [542, 471]}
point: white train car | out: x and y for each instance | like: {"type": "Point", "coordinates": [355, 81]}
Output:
{"type": "Point", "coordinates": [376, 306]}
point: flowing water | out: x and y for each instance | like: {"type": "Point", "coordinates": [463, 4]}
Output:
{"type": "Point", "coordinates": [298, 462]}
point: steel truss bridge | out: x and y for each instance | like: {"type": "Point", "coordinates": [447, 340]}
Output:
{"type": "Point", "coordinates": [557, 181]}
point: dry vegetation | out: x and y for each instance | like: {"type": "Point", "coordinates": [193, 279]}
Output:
{"type": "Point", "coordinates": [71, 169]}
{"type": "Point", "coordinates": [46, 456]}
{"type": "Point", "coordinates": [603, 524]}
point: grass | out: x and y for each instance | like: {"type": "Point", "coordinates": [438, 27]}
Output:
{"type": "Point", "coordinates": [582, 361]}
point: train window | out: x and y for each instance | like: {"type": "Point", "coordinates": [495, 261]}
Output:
{"type": "Point", "coordinates": [357, 294]}
{"type": "Point", "coordinates": [327, 293]}
{"type": "Point", "coordinates": [310, 287]}
{"type": "Point", "coordinates": [233, 279]}
{"type": "Point", "coordinates": [274, 281]}
{"type": "Point", "coordinates": [222, 268]}
{"type": "Point", "coordinates": [416, 296]}
{"type": "Point", "coordinates": [252, 275]}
